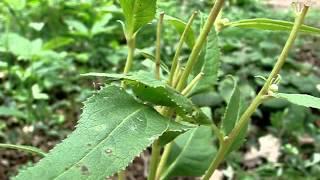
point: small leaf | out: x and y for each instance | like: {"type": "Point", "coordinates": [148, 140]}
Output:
{"type": "Point", "coordinates": [192, 153]}
{"type": "Point", "coordinates": [77, 27]}
{"type": "Point", "coordinates": [137, 13]}
{"type": "Point", "coordinates": [99, 26]}
{"type": "Point", "coordinates": [180, 27]}
{"type": "Point", "coordinates": [210, 65]}
{"type": "Point", "coordinates": [231, 114]}
{"type": "Point", "coordinates": [301, 99]}
{"type": "Point", "coordinates": [153, 59]}
{"type": "Point", "coordinates": [57, 43]}
{"type": "Point", "coordinates": [271, 24]}
{"type": "Point", "coordinates": [113, 129]}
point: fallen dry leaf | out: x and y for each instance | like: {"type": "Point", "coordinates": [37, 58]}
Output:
{"type": "Point", "coordinates": [270, 148]}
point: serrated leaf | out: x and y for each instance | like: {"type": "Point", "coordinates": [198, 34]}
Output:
{"type": "Point", "coordinates": [137, 13]}
{"type": "Point", "coordinates": [231, 114]}
{"type": "Point", "coordinates": [149, 89]}
{"type": "Point", "coordinates": [271, 24]}
{"type": "Point", "coordinates": [301, 99]}
{"type": "Point", "coordinates": [180, 27]}
{"type": "Point", "coordinates": [210, 65]}
{"type": "Point", "coordinates": [112, 121]}
{"type": "Point", "coordinates": [192, 153]}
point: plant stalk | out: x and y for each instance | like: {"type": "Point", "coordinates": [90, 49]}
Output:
{"type": "Point", "coordinates": [155, 156]}
{"type": "Point", "coordinates": [199, 43]}
{"type": "Point", "coordinates": [245, 118]}
{"type": "Point", "coordinates": [158, 46]}
{"type": "Point", "coordinates": [175, 60]}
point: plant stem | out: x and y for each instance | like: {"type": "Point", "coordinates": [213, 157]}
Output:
{"type": "Point", "coordinates": [245, 118]}
{"type": "Point", "coordinates": [155, 156]}
{"type": "Point", "coordinates": [192, 84]}
{"type": "Point", "coordinates": [164, 159]}
{"type": "Point", "coordinates": [175, 60]}
{"type": "Point", "coordinates": [131, 41]}
{"type": "Point", "coordinates": [199, 43]}
{"type": "Point", "coordinates": [158, 45]}
{"type": "Point", "coordinates": [122, 175]}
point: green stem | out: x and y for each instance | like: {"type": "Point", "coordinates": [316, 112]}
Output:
{"type": "Point", "coordinates": [158, 46]}
{"type": "Point", "coordinates": [122, 175]}
{"type": "Point", "coordinates": [131, 45]}
{"type": "Point", "coordinates": [175, 60]}
{"type": "Point", "coordinates": [29, 149]}
{"type": "Point", "coordinates": [199, 43]}
{"type": "Point", "coordinates": [155, 156]}
{"type": "Point", "coordinates": [245, 118]}
{"type": "Point", "coordinates": [164, 159]}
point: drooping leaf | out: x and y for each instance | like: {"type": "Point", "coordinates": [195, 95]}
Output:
{"type": "Point", "coordinates": [192, 153]}
{"type": "Point", "coordinates": [137, 13]}
{"type": "Point", "coordinates": [271, 24]}
{"type": "Point", "coordinates": [231, 114]}
{"type": "Point", "coordinates": [210, 65]}
{"type": "Point", "coordinates": [301, 99]}
{"type": "Point", "coordinates": [180, 26]}
{"type": "Point", "coordinates": [113, 129]}
{"type": "Point", "coordinates": [149, 89]}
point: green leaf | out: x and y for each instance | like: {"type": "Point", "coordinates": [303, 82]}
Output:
{"type": "Point", "coordinates": [180, 27]}
{"type": "Point", "coordinates": [149, 89]}
{"type": "Point", "coordinates": [301, 99]}
{"type": "Point", "coordinates": [77, 27]}
{"type": "Point", "coordinates": [210, 65]}
{"type": "Point", "coordinates": [99, 26]}
{"type": "Point", "coordinates": [6, 111]}
{"type": "Point", "coordinates": [113, 129]}
{"type": "Point", "coordinates": [232, 111]}
{"type": "Point", "coordinates": [57, 43]}
{"type": "Point", "coordinates": [28, 149]}
{"type": "Point", "coordinates": [192, 153]}
{"type": "Point", "coordinates": [17, 4]}
{"type": "Point", "coordinates": [271, 24]}
{"type": "Point", "coordinates": [137, 13]}
{"type": "Point", "coordinates": [153, 59]}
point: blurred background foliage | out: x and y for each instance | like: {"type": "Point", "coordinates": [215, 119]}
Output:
{"type": "Point", "coordinates": [46, 44]}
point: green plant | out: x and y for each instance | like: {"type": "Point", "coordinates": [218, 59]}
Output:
{"type": "Point", "coordinates": [115, 119]}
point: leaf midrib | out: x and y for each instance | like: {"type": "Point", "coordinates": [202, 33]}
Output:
{"type": "Point", "coordinates": [103, 140]}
